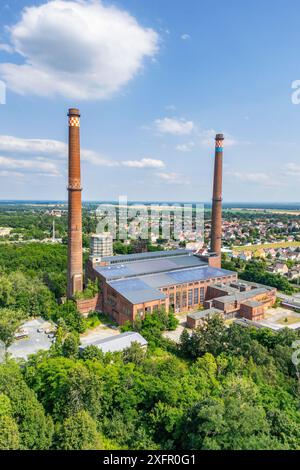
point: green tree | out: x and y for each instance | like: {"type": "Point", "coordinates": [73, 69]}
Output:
{"type": "Point", "coordinates": [35, 428]}
{"type": "Point", "coordinates": [72, 318]}
{"type": "Point", "coordinates": [10, 320]}
{"type": "Point", "coordinates": [79, 432]}
{"type": "Point", "coordinates": [65, 386]}
{"type": "Point", "coordinates": [209, 337]}
{"type": "Point", "coordinates": [135, 353]}
{"type": "Point", "coordinates": [92, 353]}
{"type": "Point", "coordinates": [9, 432]}
{"type": "Point", "coordinates": [71, 345]}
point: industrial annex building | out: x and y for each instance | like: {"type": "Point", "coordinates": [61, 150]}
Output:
{"type": "Point", "coordinates": [133, 285]}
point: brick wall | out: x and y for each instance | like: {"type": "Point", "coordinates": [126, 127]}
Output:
{"type": "Point", "coordinates": [252, 313]}
{"type": "Point", "coordinates": [85, 306]}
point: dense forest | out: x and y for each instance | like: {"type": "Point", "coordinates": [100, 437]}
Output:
{"type": "Point", "coordinates": [221, 388]}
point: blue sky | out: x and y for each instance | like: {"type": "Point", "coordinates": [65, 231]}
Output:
{"type": "Point", "coordinates": [154, 81]}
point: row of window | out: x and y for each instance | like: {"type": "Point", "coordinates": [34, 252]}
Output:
{"type": "Point", "coordinates": [196, 284]}
{"type": "Point", "coordinates": [141, 311]}
{"type": "Point", "coordinates": [187, 298]}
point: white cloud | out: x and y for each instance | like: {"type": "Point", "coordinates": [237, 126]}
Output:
{"type": "Point", "coordinates": [170, 107]}
{"type": "Point", "coordinates": [185, 147]}
{"type": "Point", "coordinates": [48, 147]}
{"type": "Point", "coordinates": [292, 169]}
{"type": "Point", "coordinates": [257, 178]}
{"type": "Point", "coordinates": [144, 163]}
{"type": "Point", "coordinates": [96, 159]}
{"type": "Point", "coordinates": [185, 36]}
{"type": "Point", "coordinates": [44, 149]}
{"type": "Point", "coordinates": [174, 126]}
{"type": "Point", "coordinates": [78, 49]}
{"type": "Point", "coordinates": [10, 174]}
{"type": "Point", "coordinates": [250, 177]}
{"type": "Point", "coordinates": [6, 48]}
{"type": "Point", "coordinates": [41, 167]}
{"type": "Point", "coordinates": [14, 144]}
{"type": "Point", "coordinates": [173, 178]}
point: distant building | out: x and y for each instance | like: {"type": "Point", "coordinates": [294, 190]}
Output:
{"type": "Point", "coordinates": [244, 255]}
{"type": "Point", "coordinates": [101, 245]}
{"type": "Point", "coordinates": [118, 342]}
{"type": "Point", "coordinates": [140, 246]}
{"type": "Point", "coordinates": [279, 268]}
{"type": "Point", "coordinates": [5, 231]}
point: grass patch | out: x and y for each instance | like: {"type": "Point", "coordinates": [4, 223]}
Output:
{"type": "Point", "coordinates": [95, 319]}
{"type": "Point", "coordinates": [266, 246]}
{"type": "Point", "coordinates": [289, 320]}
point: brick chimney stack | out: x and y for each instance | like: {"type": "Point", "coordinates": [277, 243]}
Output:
{"type": "Point", "coordinates": [216, 220]}
{"type": "Point", "coordinates": [75, 272]}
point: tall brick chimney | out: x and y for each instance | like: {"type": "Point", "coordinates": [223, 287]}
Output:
{"type": "Point", "coordinates": [75, 273]}
{"type": "Point", "coordinates": [216, 220]}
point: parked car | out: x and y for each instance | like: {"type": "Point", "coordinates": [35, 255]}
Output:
{"type": "Point", "coordinates": [50, 331]}
{"type": "Point", "coordinates": [20, 334]}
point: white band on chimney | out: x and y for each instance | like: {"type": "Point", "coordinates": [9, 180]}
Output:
{"type": "Point", "coordinates": [74, 121]}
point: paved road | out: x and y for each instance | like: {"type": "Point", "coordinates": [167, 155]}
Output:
{"type": "Point", "coordinates": [175, 335]}
{"type": "Point", "coordinates": [100, 332]}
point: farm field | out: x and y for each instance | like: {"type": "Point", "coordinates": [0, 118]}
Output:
{"type": "Point", "coordinates": [266, 246]}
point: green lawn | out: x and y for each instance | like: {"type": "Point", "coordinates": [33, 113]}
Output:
{"type": "Point", "coordinates": [95, 319]}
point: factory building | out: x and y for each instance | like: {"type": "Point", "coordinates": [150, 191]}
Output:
{"type": "Point", "coordinates": [132, 286]}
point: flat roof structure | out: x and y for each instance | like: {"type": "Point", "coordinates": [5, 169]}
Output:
{"type": "Point", "coordinates": [240, 296]}
{"type": "Point", "coordinates": [205, 313]}
{"type": "Point", "coordinates": [139, 267]}
{"type": "Point", "coordinates": [148, 255]}
{"type": "Point", "coordinates": [136, 290]}
{"type": "Point", "coordinates": [253, 303]}
{"type": "Point", "coordinates": [225, 288]}
{"type": "Point", "coordinates": [118, 342]}
{"type": "Point", "coordinates": [146, 288]}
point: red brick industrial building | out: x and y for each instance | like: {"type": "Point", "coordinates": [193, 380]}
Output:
{"type": "Point", "coordinates": [133, 285]}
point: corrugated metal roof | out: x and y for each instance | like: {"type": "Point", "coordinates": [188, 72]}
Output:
{"type": "Point", "coordinates": [240, 296]}
{"type": "Point", "coordinates": [145, 288]}
{"type": "Point", "coordinates": [136, 290]}
{"type": "Point", "coordinates": [147, 255]}
{"type": "Point", "coordinates": [198, 274]}
{"type": "Point", "coordinates": [118, 342]}
{"type": "Point", "coordinates": [204, 313]}
{"type": "Point", "coordinates": [151, 266]}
